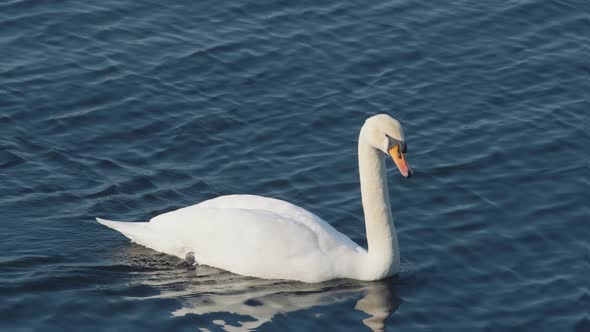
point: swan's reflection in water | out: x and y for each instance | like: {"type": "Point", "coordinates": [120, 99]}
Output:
{"type": "Point", "coordinates": [206, 290]}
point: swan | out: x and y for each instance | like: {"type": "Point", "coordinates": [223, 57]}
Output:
{"type": "Point", "coordinates": [273, 239]}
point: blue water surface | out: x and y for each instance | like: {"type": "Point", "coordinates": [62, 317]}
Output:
{"type": "Point", "coordinates": [127, 109]}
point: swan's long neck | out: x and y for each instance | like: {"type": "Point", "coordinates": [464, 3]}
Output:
{"type": "Point", "coordinates": [383, 257]}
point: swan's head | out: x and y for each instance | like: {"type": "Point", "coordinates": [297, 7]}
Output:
{"type": "Point", "coordinates": [385, 133]}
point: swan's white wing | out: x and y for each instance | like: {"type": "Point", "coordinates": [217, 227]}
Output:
{"type": "Point", "coordinates": [250, 235]}
{"type": "Point", "coordinates": [286, 210]}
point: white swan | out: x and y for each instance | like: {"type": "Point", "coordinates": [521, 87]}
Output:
{"type": "Point", "coordinates": [273, 239]}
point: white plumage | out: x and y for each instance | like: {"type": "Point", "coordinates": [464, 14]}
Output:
{"type": "Point", "coordinates": [270, 238]}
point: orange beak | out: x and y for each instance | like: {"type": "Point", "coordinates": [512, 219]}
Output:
{"type": "Point", "coordinates": [400, 161]}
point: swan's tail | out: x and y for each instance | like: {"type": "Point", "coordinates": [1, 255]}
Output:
{"type": "Point", "coordinates": [145, 234]}
{"type": "Point", "coordinates": [135, 231]}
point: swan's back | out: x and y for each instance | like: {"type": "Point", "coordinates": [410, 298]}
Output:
{"type": "Point", "coordinates": [282, 208]}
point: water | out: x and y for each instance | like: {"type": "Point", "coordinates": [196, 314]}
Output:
{"type": "Point", "coordinates": [129, 109]}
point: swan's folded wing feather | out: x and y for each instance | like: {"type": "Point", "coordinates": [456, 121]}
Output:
{"type": "Point", "coordinates": [245, 241]}
{"type": "Point", "coordinates": [329, 236]}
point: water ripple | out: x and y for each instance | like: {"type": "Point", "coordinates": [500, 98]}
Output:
{"type": "Point", "coordinates": [128, 110]}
